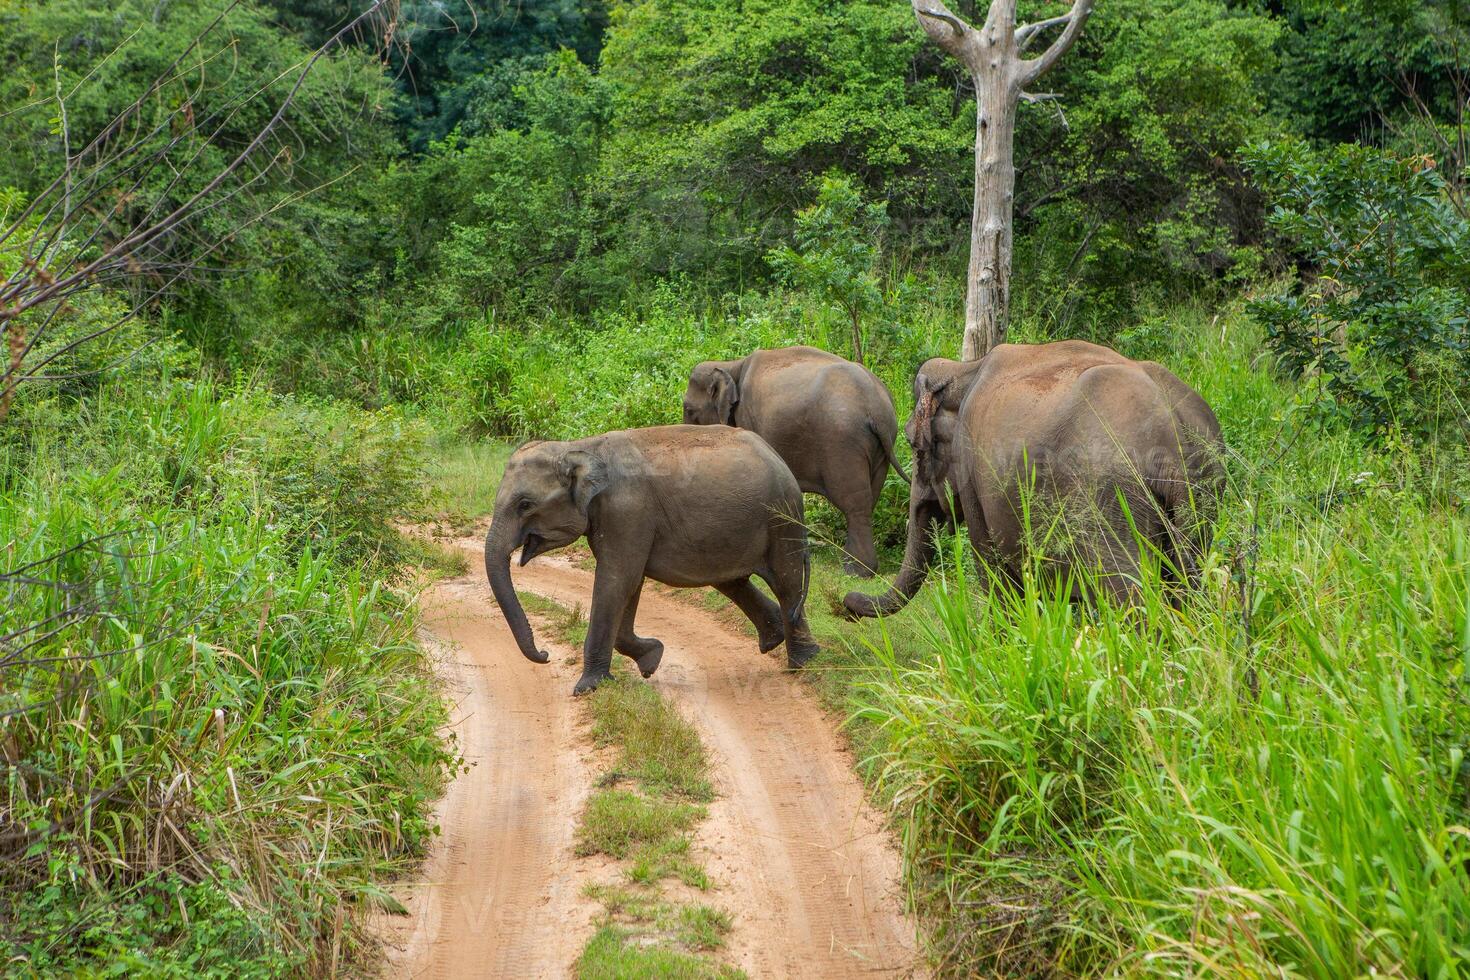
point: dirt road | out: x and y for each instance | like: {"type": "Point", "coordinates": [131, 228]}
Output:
{"type": "Point", "coordinates": [496, 897]}
{"type": "Point", "coordinates": [798, 858]}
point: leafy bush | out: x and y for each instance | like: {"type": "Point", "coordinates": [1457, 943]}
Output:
{"type": "Point", "coordinates": [567, 380]}
{"type": "Point", "coordinates": [1133, 189]}
{"type": "Point", "coordinates": [1349, 67]}
{"type": "Point", "coordinates": [442, 66]}
{"type": "Point", "coordinates": [496, 220]}
{"type": "Point", "coordinates": [101, 58]}
{"type": "Point", "coordinates": [216, 729]}
{"type": "Point", "coordinates": [727, 113]}
{"type": "Point", "coordinates": [837, 242]}
{"type": "Point", "coordinates": [1381, 324]}
{"type": "Point", "coordinates": [337, 477]}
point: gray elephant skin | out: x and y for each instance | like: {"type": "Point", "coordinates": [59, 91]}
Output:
{"type": "Point", "coordinates": [831, 420]}
{"type": "Point", "coordinates": [681, 504]}
{"type": "Point", "coordinates": [1076, 430]}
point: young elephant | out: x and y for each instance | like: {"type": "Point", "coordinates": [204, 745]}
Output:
{"type": "Point", "coordinates": [681, 504]}
{"type": "Point", "coordinates": [1083, 427]}
{"type": "Point", "coordinates": [831, 420]}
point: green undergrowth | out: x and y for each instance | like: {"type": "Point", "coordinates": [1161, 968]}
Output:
{"type": "Point", "coordinates": [464, 473]}
{"type": "Point", "coordinates": [217, 736]}
{"type": "Point", "coordinates": [642, 815]}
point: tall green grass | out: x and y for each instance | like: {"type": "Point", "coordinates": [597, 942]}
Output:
{"type": "Point", "coordinates": [216, 734]}
{"type": "Point", "coordinates": [1265, 778]}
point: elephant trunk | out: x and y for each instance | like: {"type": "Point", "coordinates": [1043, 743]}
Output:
{"type": "Point", "coordinates": [918, 555]}
{"type": "Point", "coordinates": [498, 546]}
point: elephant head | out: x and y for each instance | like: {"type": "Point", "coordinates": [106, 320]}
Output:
{"type": "Point", "coordinates": [542, 504]}
{"type": "Point", "coordinates": [940, 386]}
{"type": "Point", "coordinates": [713, 393]}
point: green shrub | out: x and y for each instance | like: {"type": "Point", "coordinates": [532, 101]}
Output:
{"type": "Point", "coordinates": [128, 57]}
{"type": "Point", "coordinates": [216, 727]}
{"type": "Point", "coordinates": [837, 242]}
{"type": "Point", "coordinates": [498, 220]}
{"type": "Point", "coordinates": [336, 476]}
{"type": "Point", "coordinates": [1381, 329]}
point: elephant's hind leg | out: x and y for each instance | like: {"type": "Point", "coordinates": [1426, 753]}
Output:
{"type": "Point", "coordinates": [855, 496]}
{"type": "Point", "coordinates": [789, 580]}
{"type": "Point", "coordinates": [645, 651]}
{"type": "Point", "coordinates": [761, 611]}
{"type": "Point", "coordinates": [1116, 555]}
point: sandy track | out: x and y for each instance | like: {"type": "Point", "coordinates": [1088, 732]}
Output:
{"type": "Point", "coordinates": [498, 895]}
{"type": "Point", "coordinates": [798, 858]}
{"type": "Point", "coordinates": [802, 862]}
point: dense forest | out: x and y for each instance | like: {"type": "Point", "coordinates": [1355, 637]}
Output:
{"type": "Point", "coordinates": [280, 280]}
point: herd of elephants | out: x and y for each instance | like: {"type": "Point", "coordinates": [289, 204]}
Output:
{"type": "Point", "coordinates": [1068, 451]}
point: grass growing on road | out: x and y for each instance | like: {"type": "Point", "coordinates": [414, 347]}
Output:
{"type": "Point", "coordinates": [697, 927]}
{"type": "Point", "coordinates": [622, 824]}
{"type": "Point", "coordinates": [568, 625]}
{"type": "Point", "coordinates": [643, 815]}
{"type": "Point", "coordinates": [614, 954]}
{"type": "Point", "coordinates": [659, 748]}
{"type": "Point", "coordinates": [650, 827]}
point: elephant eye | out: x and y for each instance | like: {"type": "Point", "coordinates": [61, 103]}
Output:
{"type": "Point", "coordinates": [523, 506]}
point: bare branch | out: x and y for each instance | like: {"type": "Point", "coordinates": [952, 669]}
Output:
{"type": "Point", "coordinates": [1034, 68]}
{"type": "Point", "coordinates": [1027, 33]}
{"type": "Point", "coordinates": [59, 256]}
{"type": "Point", "coordinates": [122, 118]}
{"type": "Point", "coordinates": [1039, 97]}
{"type": "Point", "coordinates": [955, 24]}
{"type": "Point", "coordinates": [943, 27]}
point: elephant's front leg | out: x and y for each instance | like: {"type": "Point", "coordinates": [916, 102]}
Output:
{"type": "Point", "coordinates": [612, 588]}
{"type": "Point", "coordinates": [644, 651]}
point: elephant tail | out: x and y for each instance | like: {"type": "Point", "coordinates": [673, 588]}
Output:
{"type": "Point", "coordinates": [888, 453]}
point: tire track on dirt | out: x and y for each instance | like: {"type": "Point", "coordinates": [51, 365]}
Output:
{"type": "Point", "coordinates": [800, 860]}
{"type": "Point", "coordinates": [499, 895]}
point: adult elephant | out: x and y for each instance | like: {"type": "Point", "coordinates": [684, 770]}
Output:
{"type": "Point", "coordinates": [1078, 431]}
{"type": "Point", "coordinates": [681, 504]}
{"type": "Point", "coordinates": [831, 420]}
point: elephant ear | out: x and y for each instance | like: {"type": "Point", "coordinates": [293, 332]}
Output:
{"type": "Point", "coordinates": [585, 475]}
{"type": "Point", "coordinates": [726, 395]}
{"type": "Point", "coordinates": [925, 406]}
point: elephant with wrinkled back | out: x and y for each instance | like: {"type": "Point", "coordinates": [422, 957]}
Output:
{"type": "Point", "coordinates": [831, 420]}
{"type": "Point", "coordinates": [682, 504]}
{"type": "Point", "coordinates": [1113, 450]}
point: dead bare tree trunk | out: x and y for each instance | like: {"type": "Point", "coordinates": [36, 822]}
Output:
{"type": "Point", "coordinates": [993, 57]}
